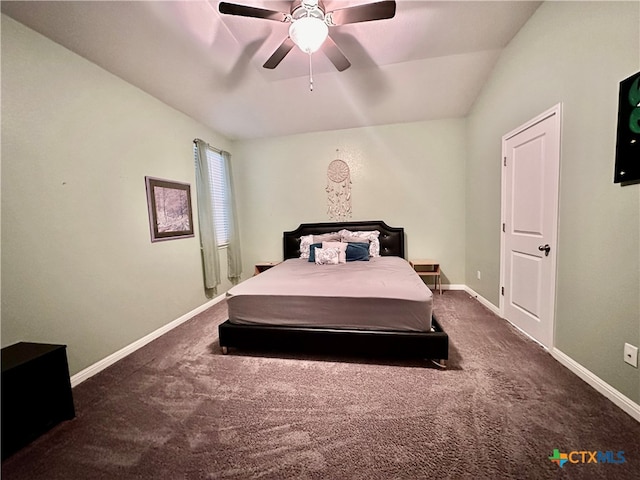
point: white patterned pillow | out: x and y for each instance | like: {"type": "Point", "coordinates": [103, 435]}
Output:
{"type": "Point", "coordinates": [342, 247]}
{"type": "Point", "coordinates": [305, 244]}
{"type": "Point", "coordinates": [371, 236]}
{"type": "Point", "coordinates": [327, 256]}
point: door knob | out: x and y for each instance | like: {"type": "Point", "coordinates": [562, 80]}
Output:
{"type": "Point", "coordinates": [545, 248]}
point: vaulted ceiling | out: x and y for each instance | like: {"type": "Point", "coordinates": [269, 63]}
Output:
{"type": "Point", "coordinates": [428, 62]}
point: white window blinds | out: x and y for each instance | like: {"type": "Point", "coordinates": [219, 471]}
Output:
{"type": "Point", "coordinates": [219, 195]}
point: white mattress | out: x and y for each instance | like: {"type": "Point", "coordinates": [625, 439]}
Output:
{"type": "Point", "coordinates": [384, 293]}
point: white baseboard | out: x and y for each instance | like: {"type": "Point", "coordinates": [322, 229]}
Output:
{"type": "Point", "coordinates": [97, 367]}
{"type": "Point", "coordinates": [622, 401]}
{"type": "Point", "coordinates": [482, 300]}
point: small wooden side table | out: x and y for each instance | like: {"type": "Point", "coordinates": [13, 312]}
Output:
{"type": "Point", "coordinates": [428, 268]}
{"type": "Point", "coordinates": [262, 266]}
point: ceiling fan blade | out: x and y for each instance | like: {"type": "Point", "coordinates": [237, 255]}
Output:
{"type": "Point", "coordinates": [281, 52]}
{"type": "Point", "coordinates": [363, 13]}
{"type": "Point", "coordinates": [255, 12]}
{"type": "Point", "coordinates": [335, 54]}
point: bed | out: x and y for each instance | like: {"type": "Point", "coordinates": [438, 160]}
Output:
{"type": "Point", "coordinates": [346, 308]}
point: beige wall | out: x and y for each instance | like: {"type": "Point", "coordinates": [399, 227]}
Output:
{"type": "Point", "coordinates": [409, 175]}
{"type": "Point", "coordinates": [78, 267]}
{"type": "Point", "coordinates": [575, 53]}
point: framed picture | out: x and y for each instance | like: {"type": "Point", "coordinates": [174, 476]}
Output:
{"type": "Point", "coordinates": [170, 214]}
{"type": "Point", "coordinates": [627, 168]}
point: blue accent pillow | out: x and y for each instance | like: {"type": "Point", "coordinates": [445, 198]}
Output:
{"type": "Point", "coordinates": [312, 251]}
{"type": "Point", "coordinates": [357, 252]}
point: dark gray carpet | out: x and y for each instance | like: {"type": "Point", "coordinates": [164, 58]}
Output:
{"type": "Point", "coordinates": [179, 409]}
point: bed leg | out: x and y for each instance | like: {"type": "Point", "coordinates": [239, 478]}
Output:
{"type": "Point", "coordinates": [225, 350]}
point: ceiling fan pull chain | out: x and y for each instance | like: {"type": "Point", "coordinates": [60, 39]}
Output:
{"type": "Point", "coordinates": [310, 74]}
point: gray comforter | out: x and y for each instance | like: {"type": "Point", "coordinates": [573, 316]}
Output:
{"type": "Point", "coordinates": [381, 294]}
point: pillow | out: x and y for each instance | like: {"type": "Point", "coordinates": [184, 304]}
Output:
{"type": "Point", "coordinates": [327, 256]}
{"type": "Point", "coordinates": [350, 239]}
{"type": "Point", "coordinates": [342, 247]}
{"type": "Point", "coordinates": [305, 244]}
{"type": "Point", "coordinates": [326, 237]}
{"type": "Point", "coordinates": [372, 236]}
{"type": "Point", "coordinates": [357, 252]}
{"type": "Point", "coordinates": [312, 251]}
{"type": "Point", "coordinates": [307, 240]}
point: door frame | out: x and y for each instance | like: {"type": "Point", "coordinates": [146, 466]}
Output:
{"type": "Point", "coordinates": [553, 242]}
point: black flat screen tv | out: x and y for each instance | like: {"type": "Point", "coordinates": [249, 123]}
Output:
{"type": "Point", "coordinates": [628, 139]}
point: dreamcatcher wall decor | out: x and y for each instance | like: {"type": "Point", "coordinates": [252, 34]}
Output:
{"type": "Point", "coordinates": [338, 190]}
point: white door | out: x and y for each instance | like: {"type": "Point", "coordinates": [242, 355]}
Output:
{"type": "Point", "coordinates": [530, 181]}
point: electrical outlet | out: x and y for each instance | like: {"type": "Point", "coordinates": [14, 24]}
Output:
{"type": "Point", "coordinates": [631, 355]}
{"type": "Point", "coordinates": [479, 275]}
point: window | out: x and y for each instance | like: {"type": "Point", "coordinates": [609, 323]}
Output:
{"type": "Point", "coordinates": [219, 194]}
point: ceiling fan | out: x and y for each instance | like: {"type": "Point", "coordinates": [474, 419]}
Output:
{"type": "Point", "coordinates": [310, 23]}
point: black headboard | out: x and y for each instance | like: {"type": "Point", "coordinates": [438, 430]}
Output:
{"type": "Point", "coordinates": [391, 238]}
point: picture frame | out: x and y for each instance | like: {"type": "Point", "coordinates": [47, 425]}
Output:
{"type": "Point", "coordinates": [627, 164]}
{"type": "Point", "coordinates": [170, 210]}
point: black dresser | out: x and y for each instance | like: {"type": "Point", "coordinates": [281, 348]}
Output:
{"type": "Point", "coordinates": [36, 392]}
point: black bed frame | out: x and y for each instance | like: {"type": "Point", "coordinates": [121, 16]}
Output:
{"type": "Point", "coordinates": [433, 345]}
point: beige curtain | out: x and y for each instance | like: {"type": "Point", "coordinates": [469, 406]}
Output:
{"type": "Point", "coordinates": [208, 242]}
{"type": "Point", "coordinates": [206, 214]}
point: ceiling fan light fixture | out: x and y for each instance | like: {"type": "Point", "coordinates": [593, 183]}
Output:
{"type": "Point", "coordinates": [308, 33]}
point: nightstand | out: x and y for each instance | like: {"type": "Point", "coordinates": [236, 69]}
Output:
{"type": "Point", "coordinates": [36, 392]}
{"type": "Point", "coordinates": [262, 266]}
{"type": "Point", "coordinates": [428, 268]}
